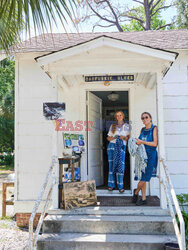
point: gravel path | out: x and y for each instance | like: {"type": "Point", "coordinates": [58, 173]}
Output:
{"type": "Point", "coordinates": [11, 237]}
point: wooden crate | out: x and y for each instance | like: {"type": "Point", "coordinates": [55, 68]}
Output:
{"type": "Point", "coordinates": [79, 194]}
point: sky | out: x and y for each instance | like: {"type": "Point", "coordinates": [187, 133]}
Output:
{"type": "Point", "coordinates": [87, 27]}
{"type": "Point", "coordinates": [167, 15]}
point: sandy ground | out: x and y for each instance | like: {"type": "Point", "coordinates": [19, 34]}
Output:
{"type": "Point", "coordinates": [11, 237]}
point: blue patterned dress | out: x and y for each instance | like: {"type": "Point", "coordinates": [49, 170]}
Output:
{"type": "Point", "coordinates": [116, 159]}
{"type": "Point", "coordinates": [151, 169]}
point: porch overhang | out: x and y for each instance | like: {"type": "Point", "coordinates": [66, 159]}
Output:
{"type": "Point", "coordinates": [106, 41]}
{"type": "Point", "coordinates": [106, 55]}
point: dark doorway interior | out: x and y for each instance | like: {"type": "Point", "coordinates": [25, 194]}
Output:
{"type": "Point", "coordinates": [109, 108]}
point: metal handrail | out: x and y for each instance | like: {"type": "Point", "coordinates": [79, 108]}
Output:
{"type": "Point", "coordinates": [34, 236]}
{"type": "Point", "coordinates": [180, 234]}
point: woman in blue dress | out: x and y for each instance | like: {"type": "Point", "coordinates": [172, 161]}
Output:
{"type": "Point", "coordinates": [148, 137]}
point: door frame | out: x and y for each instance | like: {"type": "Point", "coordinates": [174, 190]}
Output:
{"type": "Point", "coordinates": [123, 86]}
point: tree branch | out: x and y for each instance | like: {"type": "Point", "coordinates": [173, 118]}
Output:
{"type": "Point", "coordinates": [163, 26]}
{"type": "Point", "coordinates": [141, 22]}
{"type": "Point", "coordinates": [97, 14]}
{"type": "Point", "coordinates": [150, 3]}
{"type": "Point", "coordinates": [164, 7]}
{"type": "Point", "coordinates": [113, 12]}
{"type": "Point", "coordinates": [133, 17]}
{"type": "Point", "coordinates": [138, 2]}
{"type": "Point", "coordinates": [100, 2]}
{"type": "Point", "coordinates": [103, 26]}
{"type": "Point", "coordinates": [153, 7]}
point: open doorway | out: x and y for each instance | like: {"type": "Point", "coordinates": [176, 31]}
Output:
{"type": "Point", "coordinates": [106, 107]}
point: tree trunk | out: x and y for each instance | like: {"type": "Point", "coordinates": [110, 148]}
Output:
{"type": "Point", "coordinates": [147, 15]}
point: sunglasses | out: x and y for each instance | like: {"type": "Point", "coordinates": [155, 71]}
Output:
{"type": "Point", "coordinates": [144, 117]}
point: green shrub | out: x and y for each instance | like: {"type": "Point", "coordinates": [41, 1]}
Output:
{"type": "Point", "coordinates": [183, 200]}
{"type": "Point", "coordinates": [7, 160]}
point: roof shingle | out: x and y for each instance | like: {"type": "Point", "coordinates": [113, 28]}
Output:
{"type": "Point", "coordinates": [165, 39]}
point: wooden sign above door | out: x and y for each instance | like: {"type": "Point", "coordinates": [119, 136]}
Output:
{"type": "Point", "coordinates": [109, 78]}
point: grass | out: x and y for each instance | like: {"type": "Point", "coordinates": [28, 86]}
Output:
{"type": "Point", "coordinates": [5, 226]}
{"type": "Point", "coordinates": [5, 168]}
{"type": "Point", "coordinates": [8, 218]}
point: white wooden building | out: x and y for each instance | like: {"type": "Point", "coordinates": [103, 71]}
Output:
{"type": "Point", "coordinates": [54, 70]}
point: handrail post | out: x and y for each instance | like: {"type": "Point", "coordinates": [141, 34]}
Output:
{"type": "Point", "coordinates": [161, 147]}
{"type": "Point", "coordinates": [55, 169]}
{"type": "Point", "coordinates": [32, 237]}
{"type": "Point", "coordinates": [177, 207]}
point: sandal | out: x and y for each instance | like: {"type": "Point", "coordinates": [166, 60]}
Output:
{"type": "Point", "coordinates": [110, 189]}
{"type": "Point", "coordinates": [121, 190]}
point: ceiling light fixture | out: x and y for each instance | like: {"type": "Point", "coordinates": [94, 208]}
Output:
{"type": "Point", "coordinates": [113, 96]}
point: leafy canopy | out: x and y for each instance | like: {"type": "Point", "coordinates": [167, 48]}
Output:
{"type": "Point", "coordinates": [7, 105]}
{"type": "Point", "coordinates": [156, 20]}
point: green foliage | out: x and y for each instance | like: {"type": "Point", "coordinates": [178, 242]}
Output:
{"type": "Point", "coordinates": [139, 12]}
{"type": "Point", "coordinates": [42, 14]}
{"type": "Point", "coordinates": [183, 200]}
{"type": "Point", "coordinates": [7, 106]}
{"type": "Point", "coordinates": [8, 218]}
{"type": "Point", "coordinates": [9, 30]}
{"type": "Point", "coordinates": [7, 160]}
{"type": "Point", "coordinates": [182, 10]}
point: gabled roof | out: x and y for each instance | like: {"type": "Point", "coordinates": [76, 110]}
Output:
{"type": "Point", "coordinates": [108, 42]}
{"type": "Point", "coordinates": [165, 39]}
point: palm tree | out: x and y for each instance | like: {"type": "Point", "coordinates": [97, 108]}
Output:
{"type": "Point", "coordinates": [16, 15]}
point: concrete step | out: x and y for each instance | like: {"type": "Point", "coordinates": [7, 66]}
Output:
{"type": "Point", "coordinates": [96, 210]}
{"type": "Point", "coordinates": [102, 241]}
{"type": "Point", "coordinates": [123, 224]}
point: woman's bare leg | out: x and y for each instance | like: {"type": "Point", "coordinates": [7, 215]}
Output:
{"type": "Point", "coordinates": [144, 191]}
{"type": "Point", "coordinates": [139, 187]}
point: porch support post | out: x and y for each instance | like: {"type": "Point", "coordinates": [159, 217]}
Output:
{"type": "Point", "coordinates": [55, 149]}
{"type": "Point", "coordinates": [161, 144]}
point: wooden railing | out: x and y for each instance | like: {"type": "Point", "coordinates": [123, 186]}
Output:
{"type": "Point", "coordinates": [34, 236]}
{"type": "Point", "coordinates": [171, 197]}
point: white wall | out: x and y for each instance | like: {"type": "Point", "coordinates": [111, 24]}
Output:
{"type": "Point", "coordinates": [176, 121]}
{"type": "Point", "coordinates": [33, 135]}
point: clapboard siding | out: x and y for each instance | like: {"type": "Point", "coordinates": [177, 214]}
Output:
{"type": "Point", "coordinates": [177, 154]}
{"type": "Point", "coordinates": [31, 71]}
{"type": "Point", "coordinates": [176, 115]}
{"type": "Point", "coordinates": [29, 116]}
{"type": "Point", "coordinates": [176, 141]}
{"type": "Point", "coordinates": [180, 127]}
{"type": "Point", "coordinates": [34, 132]}
{"type": "Point", "coordinates": [36, 91]}
{"type": "Point", "coordinates": [176, 89]}
{"type": "Point", "coordinates": [178, 71]}
{"type": "Point", "coordinates": [31, 103]}
{"type": "Point", "coordinates": [178, 167]}
{"type": "Point", "coordinates": [34, 128]}
{"type": "Point", "coordinates": [179, 181]}
{"type": "Point", "coordinates": [31, 186]}
{"type": "Point", "coordinates": [176, 101]}
{"type": "Point", "coordinates": [34, 141]}
{"type": "Point", "coordinates": [29, 158]}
